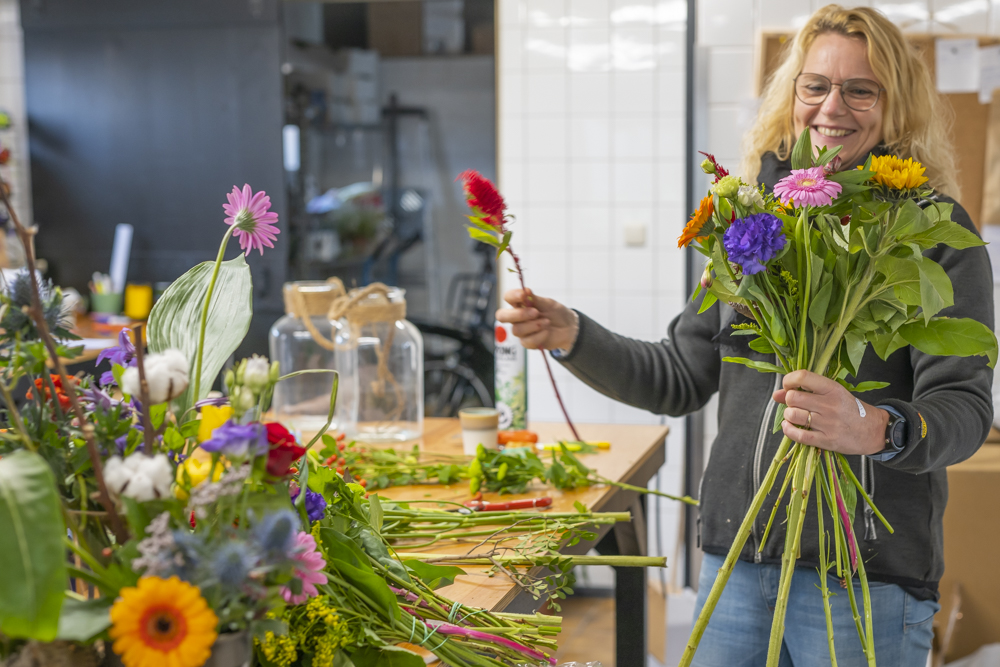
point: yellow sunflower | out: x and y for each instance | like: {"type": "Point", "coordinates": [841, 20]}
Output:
{"type": "Point", "coordinates": [162, 623]}
{"type": "Point", "coordinates": [898, 174]}
{"type": "Point", "coordinates": [696, 224]}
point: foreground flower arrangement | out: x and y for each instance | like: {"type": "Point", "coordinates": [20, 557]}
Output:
{"type": "Point", "coordinates": [829, 264]}
{"type": "Point", "coordinates": [193, 524]}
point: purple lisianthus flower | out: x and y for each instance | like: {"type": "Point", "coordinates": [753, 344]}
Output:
{"type": "Point", "coordinates": [753, 241]}
{"type": "Point", "coordinates": [315, 504]}
{"type": "Point", "coordinates": [123, 355]}
{"type": "Point", "coordinates": [236, 441]}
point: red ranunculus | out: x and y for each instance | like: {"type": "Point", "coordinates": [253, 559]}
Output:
{"type": "Point", "coordinates": [483, 196]}
{"type": "Point", "coordinates": [44, 390]}
{"type": "Point", "coordinates": [283, 450]}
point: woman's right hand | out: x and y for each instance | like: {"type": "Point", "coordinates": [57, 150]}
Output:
{"type": "Point", "coordinates": [540, 323]}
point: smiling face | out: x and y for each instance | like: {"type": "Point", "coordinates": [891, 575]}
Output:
{"type": "Point", "coordinates": [833, 123]}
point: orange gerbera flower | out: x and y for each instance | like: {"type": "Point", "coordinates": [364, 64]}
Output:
{"type": "Point", "coordinates": [696, 225]}
{"type": "Point", "coordinates": [162, 622]}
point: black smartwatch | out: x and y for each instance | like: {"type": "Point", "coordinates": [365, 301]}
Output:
{"type": "Point", "coordinates": [895, 435]}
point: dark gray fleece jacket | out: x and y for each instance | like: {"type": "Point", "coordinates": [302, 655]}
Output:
{"type": "Point", "coordinates": [950, 395]}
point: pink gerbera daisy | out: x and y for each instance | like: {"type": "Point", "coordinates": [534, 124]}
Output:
{"type": "Point", "coordinates": [309, 568]}
{"type": "Point", "coordinates": [807, 186]}
{"type": "Point", "coordinates": [254, 222]}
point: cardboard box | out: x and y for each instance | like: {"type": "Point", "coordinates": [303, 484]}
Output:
{"type": "Point", "coordinates": [972, 553]}
{"type": "Point", "coordinates": [395, 29]}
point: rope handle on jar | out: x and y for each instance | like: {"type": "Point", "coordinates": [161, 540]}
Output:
{"type": "Point", "coordinates": [300, 310]}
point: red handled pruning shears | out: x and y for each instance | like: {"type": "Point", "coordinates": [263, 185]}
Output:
{"type": "Point", "coordinates": [526, 504]}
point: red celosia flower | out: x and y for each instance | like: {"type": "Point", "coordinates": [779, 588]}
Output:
{"type": "Point", "coordinates": [482, 196]}
{"type": "Point", "coordinates": [720, 171]}
{"type": "Point", "coordinates": [42, 387]}
{"type": "Point", "coordinates": [283, 452]}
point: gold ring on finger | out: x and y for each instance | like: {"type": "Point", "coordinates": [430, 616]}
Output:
{"type": "Point", "coordinates": [809, 419]}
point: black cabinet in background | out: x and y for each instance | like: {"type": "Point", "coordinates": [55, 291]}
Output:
{"type": "Point", "coordinates": [148, 112]}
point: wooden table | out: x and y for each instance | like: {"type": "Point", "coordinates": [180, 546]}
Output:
{"type": "Point", "coordinates": [636, 453]}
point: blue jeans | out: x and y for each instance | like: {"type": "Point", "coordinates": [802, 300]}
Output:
{"type": "Point", "coordinates": [737, 635]}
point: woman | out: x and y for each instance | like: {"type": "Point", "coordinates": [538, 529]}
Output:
{"type": "Point", "coordinates": [852, 79]}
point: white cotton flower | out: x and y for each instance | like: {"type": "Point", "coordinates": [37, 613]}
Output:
{"type": "Point", "coordinates": [257, 373]}
{"type": "Point", "coordinates": [166, 376]}
{"type": "Point", "coordinates": [139, 476]}
{"type": "Point", "coordinates": [750, 196]}
{"type": "Point", "coordinates": [116, 474]}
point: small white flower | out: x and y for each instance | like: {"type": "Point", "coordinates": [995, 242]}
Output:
{"type": "Point", "coordinates": [242, 399]}
{"type": "Point", "coordinates": [166, 376]}
{"type": "Point", "coordinates": [257, 373]}
{"type": "Point", "coordinates": [139, 476]}
{"type": "Point", "coordinates": [750, 196]}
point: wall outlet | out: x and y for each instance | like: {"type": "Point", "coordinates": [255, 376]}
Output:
{"type": "Point", "coordinates": [635, 235]}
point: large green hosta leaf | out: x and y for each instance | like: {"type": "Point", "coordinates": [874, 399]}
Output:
{"type": "Point", "coordinates": [961, 337]}
{"type": "Point", "coordinates": [32, 556]}
{"type": "Point", "coordinates": [176, 318]}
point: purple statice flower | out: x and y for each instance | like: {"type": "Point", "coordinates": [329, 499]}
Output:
{"type": "Point", "coordinates": [315, 504]}
{"type": "Point", "coordinates": [237, 441]}
{"type": "Point", "coordinates": [123, 355]}
{"type": "Point", "coordinates": [753, 241]}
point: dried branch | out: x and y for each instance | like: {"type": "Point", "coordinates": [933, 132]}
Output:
{"type": "Point", "coordinates": [37, 314]}
{"type": "Point", "coordinates": [147, 424]}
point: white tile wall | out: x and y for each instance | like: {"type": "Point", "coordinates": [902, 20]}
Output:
{"type": "Point", "coordinates": [17, 171]}
{"type": "Point", "coordinates": [591, 140]}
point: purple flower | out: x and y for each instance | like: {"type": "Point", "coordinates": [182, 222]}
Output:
{"type": "Point", "coordinates": [753, 241]}
{"type": "Point", "coordinates": [95, 399]}
{"type": "Point", "coordinates": [123, 355]}
{"type": "Point", "coordinates": [315, 504]}
{"type": "Point", "coordinates": [236, 441]}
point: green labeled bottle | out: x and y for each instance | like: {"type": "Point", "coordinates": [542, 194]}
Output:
{"type": "Point", "coordinates": [511, 373]}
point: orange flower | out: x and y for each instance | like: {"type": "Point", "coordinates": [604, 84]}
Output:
{"type": "Point", "coordinates": [696, 225]}
{"type": "Point", "coordinates": [44, 390]}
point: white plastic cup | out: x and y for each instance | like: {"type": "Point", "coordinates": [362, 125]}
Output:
{"type": "Point", "coordinates": [479, 427]}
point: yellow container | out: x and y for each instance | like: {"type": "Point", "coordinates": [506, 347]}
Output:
{"type": "Point", "coordinates": [138, 301]}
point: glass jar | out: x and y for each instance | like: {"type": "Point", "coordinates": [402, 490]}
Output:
{"type": "Point", "coordinates": [390, 353]}
{"type": "Point", "coordinates": [306, 339]}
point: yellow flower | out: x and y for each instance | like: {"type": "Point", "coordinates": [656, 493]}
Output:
{"type": "Point", "coordinates": [193, 472]}
{"type": "Point", "coordinates": [162, 622]}
{"type": "Point", "coordinates": [212, 417]}
{"type": "Point", "coordinates": [278, 649]}
{"type": "Point", "coordinates": [898, 174]}
{"type": "Point", "coordinates": [697, 223]}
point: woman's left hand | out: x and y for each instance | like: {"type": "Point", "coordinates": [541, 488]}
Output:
{"type": "Point", "coordinates": [823, 414]}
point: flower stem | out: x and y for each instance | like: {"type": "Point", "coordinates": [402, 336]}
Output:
{"type": "Point", "coordinates": [204, 313]}
{"type": "Point", "coordinates": [545, 358]}
{"type": "Point", "coordinates": [734, 553]}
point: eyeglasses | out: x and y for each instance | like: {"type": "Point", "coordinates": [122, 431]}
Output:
{"type": "Point", "coordinates": [858, 94]}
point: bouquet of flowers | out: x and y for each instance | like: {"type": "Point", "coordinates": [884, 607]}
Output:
{"type": "Point", "coordinates": [829, 264]}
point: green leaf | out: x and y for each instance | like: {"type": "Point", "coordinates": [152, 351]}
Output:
{"type": "Point", "coordinates": [959, 337]}
{"type": "Point", "coordinates": [175, 320]}
{"type": "Point", "coordinates": [387, 656]}
{"type": "Point", "coordinates": [852, 176]}
{"type": "Point", "coordinates": [802, 153]}
{"type": "Point", "coordinates": [885, 344]}
{"type": "Point", "coordinates": [435, 576]}
{"type": "Point", "coordinates": [483, 236]}
{"type": "Point", "coordinates": [848, 492]}
{"type": "Point", "coordinates": [503, 244]}
{"type": "Point", "coordinates": [949, 233]}
{"type": "Point", "coordinates": [910, 219]}
{"type": "Point", "coordinates": [32, 556]}
{"type": "Point", "coordinates": [779, 416]}
{"type": "Point", "coordinates": [903, 275]}
{"type": "Point", "coordinates": [707, 302]}
{"type": "Point", "coordinates": [855, 344]}
{"type": "Point", "coordinates": [761, 344]}
{"type": "Point", "coordinates": [352, 564]}
{"type": "Point", "coordinates": [935, 289]}
{"type": "Point", "coordinates": [82, 620]}
{"type": "Point", "coordinates": [820, 302]}
{"type": "Point", "coordinates": [863, 386]}
{"type": "Point", "coordinates": [375, 513]}
{"type": "Point", "coordinates": [761, 366]}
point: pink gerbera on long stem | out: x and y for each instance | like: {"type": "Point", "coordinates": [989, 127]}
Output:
{"type": "Point", "coordinates": [253, 220]}
{"type": "Point", "coordinates": [309, 569]}
{"type": "Point", "coordinates": [807, 186]}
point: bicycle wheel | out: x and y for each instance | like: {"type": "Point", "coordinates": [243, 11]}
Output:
{"type": "Point", "coordinates": [449, 387]}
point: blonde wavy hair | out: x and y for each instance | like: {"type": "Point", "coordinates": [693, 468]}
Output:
{"type": "Point", "coordinates": [915, 122]}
